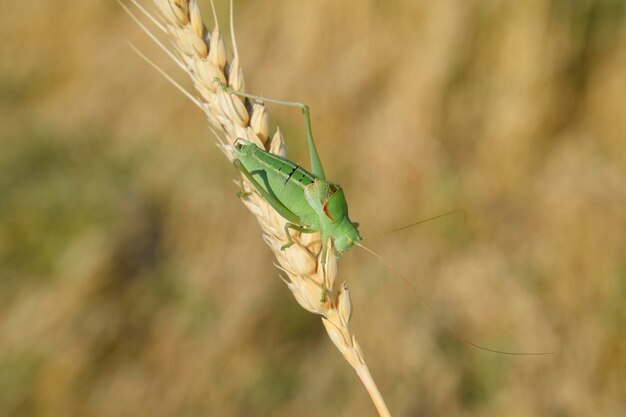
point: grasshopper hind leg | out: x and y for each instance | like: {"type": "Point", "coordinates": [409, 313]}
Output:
{"type": "Point", "coordinates": [316, 163]}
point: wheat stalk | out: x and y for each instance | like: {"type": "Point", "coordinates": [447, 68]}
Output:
{"type": "Point", "coordinates": [202, 54]}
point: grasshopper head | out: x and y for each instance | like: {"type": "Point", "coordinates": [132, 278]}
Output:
{"type": "Point", "coordinates": [348, 237]}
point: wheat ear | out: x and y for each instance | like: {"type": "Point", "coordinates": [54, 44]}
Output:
{"type": "Point", "coordinates": [202, 54]}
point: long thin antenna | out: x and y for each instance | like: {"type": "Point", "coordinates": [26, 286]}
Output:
{"type": "Point", "coordinates": [432, 310]}
{"type": "Point", "coordinates": [462, 212]}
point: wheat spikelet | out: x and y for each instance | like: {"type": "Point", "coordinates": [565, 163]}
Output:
{"type": "Point", "coordinates": [202, 54]}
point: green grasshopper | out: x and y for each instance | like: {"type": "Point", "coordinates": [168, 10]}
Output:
{"type": "Point", "coordinates": [306, 200]}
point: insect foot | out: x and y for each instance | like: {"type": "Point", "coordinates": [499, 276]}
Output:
{"type": "Point", "coordinates": [287, 245]}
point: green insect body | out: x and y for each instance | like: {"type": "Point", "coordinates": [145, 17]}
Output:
{"type": "Point", "coordinates": [307, 202]}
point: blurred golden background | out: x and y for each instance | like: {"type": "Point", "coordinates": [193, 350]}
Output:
{"type": "Point", "coordinates": [134, 283]}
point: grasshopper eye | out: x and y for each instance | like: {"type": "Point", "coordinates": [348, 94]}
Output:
{"type": "Point", "coordinates": [238, 146]}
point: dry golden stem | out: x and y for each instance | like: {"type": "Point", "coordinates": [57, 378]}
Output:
{"type": "Point", "coordinates": [202, 54]}
{"type": "Point", "coordinates": [366, 377]}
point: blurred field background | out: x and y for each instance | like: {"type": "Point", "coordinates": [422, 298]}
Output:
{"type": "Point", "coordinates": [134, 283]}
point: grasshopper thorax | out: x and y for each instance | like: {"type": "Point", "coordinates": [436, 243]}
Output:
{"type": "Point", "coordinates": [349, 236]}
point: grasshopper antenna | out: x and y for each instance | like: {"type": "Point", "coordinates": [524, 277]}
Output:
{"type": "Point", "coordinates": [449, 213]}
{"type": "Point", "coordinates": [395, 271]}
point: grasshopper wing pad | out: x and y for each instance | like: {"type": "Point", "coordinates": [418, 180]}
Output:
{"type": "Point", "coordinates": [317, 194]}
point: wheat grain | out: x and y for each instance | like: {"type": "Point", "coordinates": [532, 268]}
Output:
{"type": "Point", "coordinates": [202, 54]}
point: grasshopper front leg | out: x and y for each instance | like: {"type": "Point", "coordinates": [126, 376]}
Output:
{"type": "Point", "coordinates": [323, 255]}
